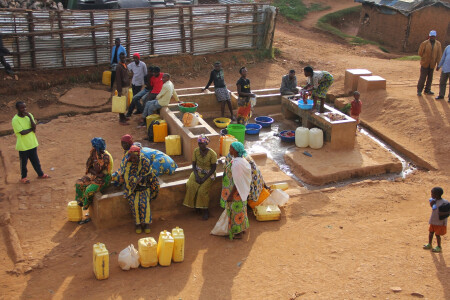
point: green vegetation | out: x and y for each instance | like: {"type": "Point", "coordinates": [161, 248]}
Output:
{"type": "Point", "coordinates": [324, 24]}
{"type": "Point", "coordinates": [346, 108]}
{"type": "Point", "coordinates": [412, 57]}
{"type": "Point", "coordinates": [295, 9]}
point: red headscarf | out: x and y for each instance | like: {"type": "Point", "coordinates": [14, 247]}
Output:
{"type": "Point", "coordinates": [127, 138]}
{"type": "Point", "coordinates": [137, 55]}
{"type": "Point", "coordinates": [135, 149]}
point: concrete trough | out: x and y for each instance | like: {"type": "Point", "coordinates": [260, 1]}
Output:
{"type": "Point", "coordinates": [371, 83]}
{"type": "Point", "coordinates": [352, 78]}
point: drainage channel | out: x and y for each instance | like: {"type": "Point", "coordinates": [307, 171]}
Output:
{"type": "Point", "coordinates": [269, 143]}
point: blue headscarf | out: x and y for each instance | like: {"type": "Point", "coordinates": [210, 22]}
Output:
{"type": "Point", "coordinates": [239, 147]}
{"type": "Point", "coordinates": [98, 144]}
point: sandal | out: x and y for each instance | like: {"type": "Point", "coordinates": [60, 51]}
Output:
{"type": "Point", "coordinates": [437, 249]}
{"type": "Point", "coordinates": [427, 246]}
{"type": "Point", "coordinates": [25, 180]}
{"type": "Point", "coordinates": [45, 176]}
{"type": "Point", "coordinates": [84, 221]}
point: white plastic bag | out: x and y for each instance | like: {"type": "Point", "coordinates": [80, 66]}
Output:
{"type": "Point", "coordinates": [221, 227]}
{"type": "Point", "coordinates": [253, 101]}
{"type": "Point", "coordinates": [277, 197]}
{"type": "Point", "coordinates": [129, 258]}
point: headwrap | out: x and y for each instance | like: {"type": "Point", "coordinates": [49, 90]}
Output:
{"type": "Point", "coordinates": [135, 148]}
{"type": "Point", "coordinates": [137, 55]}
{"type": "Point", "coordinates": [98, 144]}
{"type": "Point", "coordinates": [127, 139]}
{"type": "Point", "coordinates": [432, 33]}
{"type": "Point", "coordinates": [203, 139]}
{"type": "Point", "coordinates": [239, 147]}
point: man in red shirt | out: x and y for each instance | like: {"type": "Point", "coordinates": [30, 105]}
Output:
{"type": "Point", "coordinates": [355, 110]}
{"type": "Point", "coordinates": [156, 83]}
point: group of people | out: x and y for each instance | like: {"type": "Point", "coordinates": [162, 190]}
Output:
{"type": "Point", "coordinates": [431, 57]}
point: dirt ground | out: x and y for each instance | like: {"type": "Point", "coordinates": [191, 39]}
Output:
{"type": "Point", "coordinates": [359, 241]}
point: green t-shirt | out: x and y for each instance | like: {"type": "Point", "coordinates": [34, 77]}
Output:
{"type": "Point", "coordinates": [27, 141]}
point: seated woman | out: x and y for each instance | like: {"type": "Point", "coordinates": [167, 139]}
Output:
{"type": "Point", "coordinates": [237, 178]}
{"type": "Point", "coordinates": [244, 112]}
{"type": "Point", "coordinates": [204, 163]}
{"type": "Point", "coordinates": [98, 175]}
{"type": "Point", "coordinates": [141, 186]}
{"type": "Point", "coordinates": [318, 82]}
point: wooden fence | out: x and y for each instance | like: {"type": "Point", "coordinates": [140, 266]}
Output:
{"type": "Point", "coordinates": [53, 39]}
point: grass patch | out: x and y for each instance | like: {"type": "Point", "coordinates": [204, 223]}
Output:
{"type": "Point", "coordinates": [412, 57]}
{"type": "Point", "coordinates": [295, 9]}
{"type": "Point", "coordinates": [324, 24]}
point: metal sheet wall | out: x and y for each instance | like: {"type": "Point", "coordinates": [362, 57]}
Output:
{"type": "Point", "coordinates": [50, 39]}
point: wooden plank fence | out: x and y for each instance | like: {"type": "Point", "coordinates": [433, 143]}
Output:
{"type": "Point", "coordinates": [52, 39]}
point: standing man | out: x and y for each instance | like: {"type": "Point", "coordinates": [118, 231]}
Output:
{"type": "Point", "coordinates": [115, 59]}
{"type": "Point", "coordinates": [24, 127]}
{"type": "Point", "coordinates": [445, 74]}
{"type": "Point", "coordinates": [289, 84]}
{"type": "Point", "coordinates": [162, 99]}
{"type": "Point", "coordinates": [139, 70]}
{"type": "Point", "coordinates": [220, 88]}
{"type": "Point", "coordinates": [123, 83]}
{"type": "Point", "coordinates": [430, 53]}
{"type": "Point", "coordinates": [3, 52]}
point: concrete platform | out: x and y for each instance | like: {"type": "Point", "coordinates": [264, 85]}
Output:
{"type": "Point", "coordinates": [371, 83]}
{"type": "Point", "coordinates": [340, 135]}
{"type": "Point", "coordinates": [352, 77]}
{"type": "Point", "coordinates": [326, 165]}
{"type": "Point", "coordinates": [264, 97]}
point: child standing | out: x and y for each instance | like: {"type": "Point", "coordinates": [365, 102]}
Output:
{"type": "Point", "coordinates": [355, 110]}
{"type": "Point", "coordinates": [437, 226]}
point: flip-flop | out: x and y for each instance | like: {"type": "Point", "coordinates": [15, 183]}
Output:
{"type": "Point", "coordinates": [84, 221]}
{"type": "Point", "coordinates": [25, 180]}
{"type": "Point", "coordinates": [427, 246]}
{"type": "Point", "coordinates": [45, 176]}
{"type": "Point", "coordinates": [437, 249]}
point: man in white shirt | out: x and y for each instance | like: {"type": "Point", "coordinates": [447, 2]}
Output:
{"type": "Point", "coordinates": [139, 70]}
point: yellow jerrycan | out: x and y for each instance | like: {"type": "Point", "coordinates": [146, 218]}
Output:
{"type": "Point", "coordinates": [150, 118]}
{"type": "Point", "coordinates": [119, 104]}
{"type": "Point", "coordinates": [227, 141]}
{"type": "Point", "coordinates": [106, 78]}
{"type": "Point", "coordinates": [173, 145]}
{"type": "Point", "coordinates": [178, 244]}
{"type": "Point", "coordinates": [165, 248]}
{"type": "Point", "coordinates": [129, 97]}
{"type": "Point", "coordinates": [74, 213]}
{"type": "Point", "coordinates": [147, 249]}
{"type": "Point", "coordinates": [100, 261]}
{"type": "Point", "coordinates": [279, 186]}
{"type": "Point", "coordinates": [160, 132]}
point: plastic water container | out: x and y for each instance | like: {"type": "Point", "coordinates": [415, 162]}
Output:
{"type": "Point", "coordinates": [238, 131]}
{"type": "Point", "coordinates": [165, 248]}
{"type": "Point", "coordinates": [302, 137]}
{"type": "Point", "coordinates": [173, 145]}
{"type": "Point", "coordinates": [150, 118]}
{"type": "Point", "coordinates": [160, 132]}
{"type": "Point", "coordinates": [263, 196]}
{"type": "Point", "coordinates": [100, 261]}
{"type": "Point", "coordinates": [267, 213]}
{"type": "Point", "coordinates": [147, 248]}
{"type": "Point", "coordinates": [315, 138]}
{"type": "Point", "coordinates": [106, 78]}
{"type": "Point", "coordinates": [119, 104]}
{"type": "Point", "coordinates": [227, 141]}
{"type": "Point", "coordinates": [278, 197]}
{"type": "Point", "coordinates": [74, 213]}
{"type": "Point", "coordinates": [279, 186]}
{"type": "Point", "coordinates": [129, 97]}
{"type": "Point", "coordinates": [178, 244]}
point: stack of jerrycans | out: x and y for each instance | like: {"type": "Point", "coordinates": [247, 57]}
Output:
{"type": "Point", "coordinates": [100, 261]}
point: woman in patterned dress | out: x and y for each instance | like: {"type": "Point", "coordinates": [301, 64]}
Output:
{"type": "Point", "coordinates": [141, 186]}
{"type": "Point", "coordinates": [318, 82]}
{"type": "Point", "coordinates": [244, 112]}
{"type": "Point", "coordinates": [236, 182]}
{"type": "Point", "coordinates": [98, 175]}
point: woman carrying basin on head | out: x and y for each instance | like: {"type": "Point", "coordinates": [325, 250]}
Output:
{"type": "Point", "coordinates": [204, 163]}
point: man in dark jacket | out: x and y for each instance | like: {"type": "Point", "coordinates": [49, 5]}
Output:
{"type": "Point", "coordinates": [3, 52]}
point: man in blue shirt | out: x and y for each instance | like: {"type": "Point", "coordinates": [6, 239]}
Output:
{"type": "Point", "coordinates": [445, 74]}
{"type": "Point", "coordinates": [115, 54]}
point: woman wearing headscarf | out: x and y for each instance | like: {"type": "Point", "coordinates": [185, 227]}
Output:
{"type": "Point", "coordinates": [236, 182]}
{"type": "Point", "coordinates": [141, 186]}
{"type": "Point", "coordinates": [244, 112]}
{"type": "Point", "coordinates": [97, 177]}
{"type": "Point", "coordinates": [318, 82]}
{"type": "Point", "coordinates": [204, 162]}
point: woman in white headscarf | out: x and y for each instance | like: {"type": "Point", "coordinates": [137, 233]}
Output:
{"type": "Point", "coordinates": [236, 189]}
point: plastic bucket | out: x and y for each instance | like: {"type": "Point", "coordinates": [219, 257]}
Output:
{"type": "Point", "coordinates": [238, 131]}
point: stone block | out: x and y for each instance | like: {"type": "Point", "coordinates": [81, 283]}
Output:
{"type": "Point", "coordinates": [352, 77]}
{"type": "Point", "coordinates": [371, 83]}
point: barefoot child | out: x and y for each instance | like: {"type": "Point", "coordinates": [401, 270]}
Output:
{"type": "Point", "coordinates": [437, 226]}
{"type": "Point", "coordinates": [355, 110]}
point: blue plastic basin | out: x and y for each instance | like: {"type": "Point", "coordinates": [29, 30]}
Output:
{"type": "Point", "coordinates": [285, 138]}
{"type": "Point", "coordinates": [308, 106]}
{"type": "Point", "coordinates": [264, 121]}
{"type": "Point", "coordinates": [252, 128]}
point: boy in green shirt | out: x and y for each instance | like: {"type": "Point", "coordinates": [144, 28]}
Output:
{"type": "Point", "coordinates": [25, 127]}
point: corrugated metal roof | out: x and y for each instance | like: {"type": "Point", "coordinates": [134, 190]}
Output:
{"type": "Point", "coordinates": [405, 7]}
